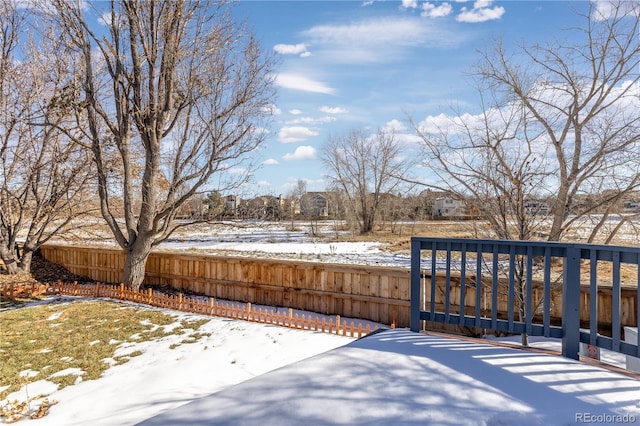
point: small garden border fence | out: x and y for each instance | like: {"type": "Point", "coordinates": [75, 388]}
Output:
{"type": "Point", "coordinates": [194, 304]}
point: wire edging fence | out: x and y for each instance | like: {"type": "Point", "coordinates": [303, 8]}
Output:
{"type": "Point", "coordinates": [194, 304]}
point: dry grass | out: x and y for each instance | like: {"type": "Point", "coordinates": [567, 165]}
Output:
{"type": "Point", "coordinates": [74, 338]}
{"type": "Point", "coordinates": [397, 237]}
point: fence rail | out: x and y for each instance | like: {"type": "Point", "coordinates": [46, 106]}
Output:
{"type": "Point", "coordinates": [196, 305]}
{"type": "Point", "coordinates": [512, 286]}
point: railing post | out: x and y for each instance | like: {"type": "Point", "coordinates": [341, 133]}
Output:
{"type": "Point", "coordinates": [571, 303]}
{"type": "Point", "coordinates": [414, 320]}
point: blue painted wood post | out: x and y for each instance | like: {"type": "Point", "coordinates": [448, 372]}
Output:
{"type": "Point", "coordinates": [414, 320]}
{"type": "Point", "coordinates": [571, 304]}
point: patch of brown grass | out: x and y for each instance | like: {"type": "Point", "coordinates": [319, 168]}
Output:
{"type": "Point", "coordinates": [38, 341]}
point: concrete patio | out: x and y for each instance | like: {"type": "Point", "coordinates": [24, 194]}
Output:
{"type": "Point", "coordinates": [397, 377]}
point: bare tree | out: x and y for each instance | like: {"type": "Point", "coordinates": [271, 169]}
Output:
{"type": "Point", "coordinates": [45, 177]}
{"type": "Point", "coordinates": [295, 197]}
{"type": "Point", "coordinates": [496, 164]}
{"type": "Point", "coordinates": [366, 167]}
{"type": "Point", "coordinates": [562, 123]}
{"type": "Point", "coordinates": [172, 94]}
{"type": "Point", "coordinates": [584, 99]}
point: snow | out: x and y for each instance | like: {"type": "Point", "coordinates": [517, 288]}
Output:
{"type": "Point", "coordinates": [250, 373]}
{"type": "Point", "coordinates": [273, 239]}
{"type": "Point", "coordinates": [398, 377]}
{"type": "Point", "coordinates": [255, 374]}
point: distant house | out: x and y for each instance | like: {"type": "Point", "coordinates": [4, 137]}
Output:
{"type": "Point", "coordinates": [631, 207]}
{"type": "Point", "coordinates": [449, 207]}
{"type": "Point", "coordinates": [232, 203]}
{"type": "Point", "coordinates": [314, 204]}
{"type": "Point", "coordinates": [266, 207]}
{"type": "Point", "coordinates": [536, 207]}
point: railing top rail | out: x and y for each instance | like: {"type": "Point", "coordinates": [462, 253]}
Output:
{"type": "Point", "coordinates": [631, 254]}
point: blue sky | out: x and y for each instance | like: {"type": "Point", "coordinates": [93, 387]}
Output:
{"type": "Point", "coordinates": [347, 65]}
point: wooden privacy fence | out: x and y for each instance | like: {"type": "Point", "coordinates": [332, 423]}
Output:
{"type": "Point", "coordinates": [196, 305]}
{"type": "Point", "coordinates": [375, 293]}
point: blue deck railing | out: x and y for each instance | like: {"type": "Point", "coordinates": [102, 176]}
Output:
{"type": "Point", "coordinates": [524, 278]}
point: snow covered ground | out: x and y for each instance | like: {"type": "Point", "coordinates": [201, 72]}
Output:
{"type": "Point", "coordinates": [278, 240]}
{"type": "Point", "coordinates": [247, 373]}
{"type": "Point", "coordinates": [255, 374]}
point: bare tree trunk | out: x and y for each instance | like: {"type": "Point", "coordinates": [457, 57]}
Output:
{"type": "Point", "coordinates": [9, 259]}
{"type": "Point", "coordinates": [135, 265]}
{"type": "Point", "coordinates": [25, 260]}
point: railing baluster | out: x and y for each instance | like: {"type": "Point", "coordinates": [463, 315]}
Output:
{"type": "Point", "coordinates": [478, 285]}
{"type": "Point", "coordinates": [447, 285]}
{"type": "Point", "coordinates": [546, 309]}
{"type": "Point", "coordinates": [414, 320]}
{"type": "Point", "coordinates": [432, 302]}
{"type": "Point", "coordinates": [638, 301]}
{"type": "Point", "coordinates": [511, 290]}
{"type": "Point", "coordinates": [529, 290]}
{"type": "Point", "coordinates": [593, 297]}
{"type": "Point", "coordinates": [463, 281]}
{"type": "Point", "coordinates": [615, 300]}
{"type": "Point", "coordinates": [494, 289]}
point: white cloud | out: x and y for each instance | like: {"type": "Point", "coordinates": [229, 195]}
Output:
{"type": "Point", "coordinates": [295, 111]}
{"type": "Point", "coordinates": [394, 126]}
{"type": "Point", "coordinates": [303, 83]}
{"type": "Point", "coordinates": [304, 152]}
{"type": "Point", "coordinates": [410, 4]}
{"type": "Point", "coordinates": [290, 49]}
{"type": "Point", "coordinates": [333, 110]}
{"type": "Point", "coordinates": [429, 10]}
{"type": "Point", "coordinates": [605, 9]}
{"type": "Point", "coordinates": [264, 183]}
{"type": "Point", "coordinates": [305, 54]}
{"type": "Point", "coordinates": [311, 120]}
{"type": "Point", "coordinates": [296, 134]}
{"type": "Point", "coordinates": [480, 12]}
{"type": "Point", "coordinates": [373, 32]}
{"type": "Point", "coordinates": [273, 110]}
{"type": "Point", "coordinates": [378, 40]}
{"type": "Point", "coordinates": [271, 162]}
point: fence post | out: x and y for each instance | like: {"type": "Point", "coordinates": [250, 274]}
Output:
{"type": "Point", "coordinates": [414, 321]}
{"type": "Point", "coordinates": [571, 303]}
